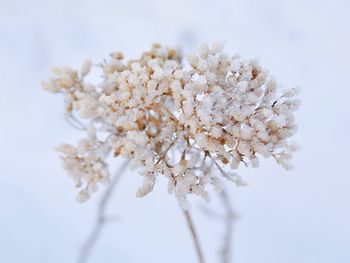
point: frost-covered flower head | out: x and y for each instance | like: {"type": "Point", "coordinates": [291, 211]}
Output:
{"type": "Point", "coordinates": [192, 121]}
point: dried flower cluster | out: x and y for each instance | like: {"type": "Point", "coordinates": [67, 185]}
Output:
{"type": "Point", "coordinates": [182, 120]}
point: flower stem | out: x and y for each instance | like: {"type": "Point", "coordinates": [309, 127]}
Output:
{"type": "Point", "coordinates": [194, 235]}
{"type": "Point", "coordinates": [229, 216]}
{"type": "Point", "coordinates": [90, 242]}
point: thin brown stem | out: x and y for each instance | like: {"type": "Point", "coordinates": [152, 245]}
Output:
{"type": "Point", "coordinates": [100, 222]}
{"type": "Point", "coordinates": [227, 240]}
{"type": "Point", "coordinates": [194, 235]}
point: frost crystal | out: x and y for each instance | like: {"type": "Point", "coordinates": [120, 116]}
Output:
{"type": "Point", "coordinates": [191, 121]}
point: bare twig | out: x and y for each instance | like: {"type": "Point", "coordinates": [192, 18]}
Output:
{"type": "Point", "coordinates": [229, 216]}
{"type": "Point", "coordinates": [101, 219]}
{"type": "Point", "coordinates": [210, 213]}
{"type": "Point", "coordinates": [194, 235]}
{"type": "Point", "coordinates": [74, 122]}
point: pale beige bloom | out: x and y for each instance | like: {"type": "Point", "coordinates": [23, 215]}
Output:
{"type": "Point", "coordinates": [191, 121]}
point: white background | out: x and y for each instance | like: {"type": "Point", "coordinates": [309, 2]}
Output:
{"type": "Point", "coordinates": [298, 216]}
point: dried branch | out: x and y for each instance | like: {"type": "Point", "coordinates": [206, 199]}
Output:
{"type": "Point", "coordinates": [226, 250]}
{"type": "Point", "coordinates": [74, 122]}
{"type": "Point", "coordinates": [210, 213]}
{"type": "Point", "coordinates": [101, 219]}
{"type": "Point", "coordinates": [194, 235]}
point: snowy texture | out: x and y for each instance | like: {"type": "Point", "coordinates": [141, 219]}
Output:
{"type": "Point", "coordinates": [191, 121]}
{"type": "Point", "coordinates": [299, 216]}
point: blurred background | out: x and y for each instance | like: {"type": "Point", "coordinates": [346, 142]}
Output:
{"type": "Point", "coordinates": [297, 216]}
